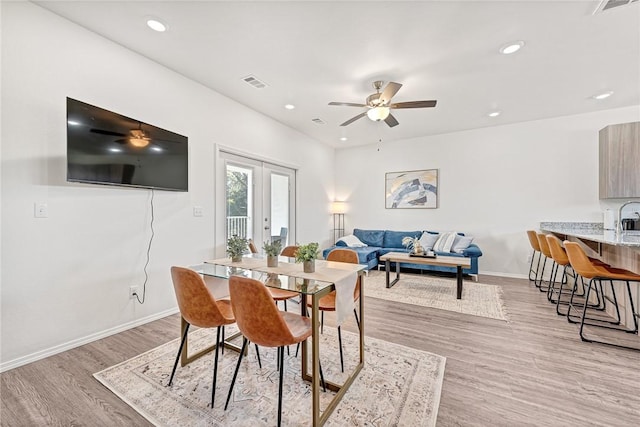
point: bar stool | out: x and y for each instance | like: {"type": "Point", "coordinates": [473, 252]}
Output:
{"type": "Point", "coordinates": [596, 274]}
{"type": "Point", "coordinates": [535, 244]}
{"type": "Point", "coordinates": [561, 259]}
{"type": "Point", "coordinates": [544, 251]}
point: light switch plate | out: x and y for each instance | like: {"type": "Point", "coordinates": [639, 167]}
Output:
{"type": "Point", "coordinates": [198, 211]}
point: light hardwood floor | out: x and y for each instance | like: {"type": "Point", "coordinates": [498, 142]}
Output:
{"type": "Point", "coordinates": [531, 371]}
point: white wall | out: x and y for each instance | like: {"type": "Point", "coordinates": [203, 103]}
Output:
{"type": "Point", "coordinates": [65, 279]}
{"type": "Point", "coordinates": [495, 183]}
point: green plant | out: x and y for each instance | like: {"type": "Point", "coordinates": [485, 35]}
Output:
{"type": "Point", "coordinates": [236, 246]}
{"type": "Point", "coordinates": [272, 248]}
{"type": "Point", "coordinates": [307, 252]}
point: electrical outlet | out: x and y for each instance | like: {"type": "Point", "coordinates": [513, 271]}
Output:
{"type": "Point", "coordinates": [198, 211]}
{"type": "Point", "coordinates": [40, 210]}
{"type": "Point", "coordinates": [133, 291]}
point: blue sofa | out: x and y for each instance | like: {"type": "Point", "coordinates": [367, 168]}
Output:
{"type": "Point", "coordinates": [380, 242]}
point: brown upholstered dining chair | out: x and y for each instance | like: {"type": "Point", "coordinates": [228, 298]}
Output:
{"type": "Point", "coordinates": [583, 266]}
{"type": "Point", "coordinates": [289, 251]}
{"type": "Point", "coordinates": [252, 247]}
{"type": "Point", "coordinates": [261, 323]}
{"type": "Point", "coordinates": [328, 302]}
{"type": "Point", "coordinates": [283, 294]}
{"type": "Point", "coordinates": [200, 308]}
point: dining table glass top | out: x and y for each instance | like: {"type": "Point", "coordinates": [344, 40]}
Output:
{"type": "Point", "coordinates": [288, 275]}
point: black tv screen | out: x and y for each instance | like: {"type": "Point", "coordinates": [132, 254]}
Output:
{"type": "Point", "coordinates": [104, 147]}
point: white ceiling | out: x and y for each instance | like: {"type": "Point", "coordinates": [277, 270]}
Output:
{"type": "Point", "coordinates": [311, 53]}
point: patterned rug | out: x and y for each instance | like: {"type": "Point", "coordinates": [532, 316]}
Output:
{"type": "Point", "coordinates": [438, 292]}
{"type": "Point", "coordinates": [398, 386]}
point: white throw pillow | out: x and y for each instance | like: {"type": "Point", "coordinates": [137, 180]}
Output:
{"type": "Point", "coordinates": [445, 242]}
{"type": "Point", "coordinates": [461, 243]}
{"type": "Point", "coordinates": [427, 240]}
{"type": "Point", "coordinates": [352, 241]}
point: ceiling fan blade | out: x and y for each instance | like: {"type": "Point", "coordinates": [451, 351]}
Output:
{"type": "Point", "coordinates": [391, 121]}
{"type": "Point", "coordinates": [391, 89]}
{"type": "Point", "coordinates": [353, 119]}
{"type": "Point", "coordinates": [414, 104]}
{"type": "Point", "coordinates": [107, 132]}
{"type": "Point", "coordinates": [347, 104]}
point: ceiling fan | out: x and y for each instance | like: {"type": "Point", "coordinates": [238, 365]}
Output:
{"type": "Point", "coordinates": [379, 104]}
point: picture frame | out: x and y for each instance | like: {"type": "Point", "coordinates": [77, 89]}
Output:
{"type": "Point", "coordinates": [416, 189]}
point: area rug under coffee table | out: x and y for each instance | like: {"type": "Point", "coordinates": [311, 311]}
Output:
{"type": "Point", "coordinates": [398, 386]}
{"type": "Point", "coordinates": [478, 299]}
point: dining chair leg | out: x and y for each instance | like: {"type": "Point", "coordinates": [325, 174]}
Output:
{"type": "Point", "coordinates": [175, 364]}
{"type": "Point", "coordinates": [281, 362]}
{"type": "Point", "coordinates": [285, 305]}
{"type": "Point", "coordinates": [222, 339]}
{"type": "Point", "coordinates": [322, 322]}
{"type": "Point", "coordinates": [235, 374]}
{"type": "Point", "coordinates": [340, 343]}
{"type": "Point", "coordinates": [355, 313]}
{"type": "Point", "coordinates": [215, 367]}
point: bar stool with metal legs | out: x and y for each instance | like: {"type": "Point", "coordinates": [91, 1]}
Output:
{"type": "Point", "coordinates": [562, 260]}
{"type": "Point", "coordinates": [546, 253]}
{"type": "Point", "coordinates": [596, 274]}
{"type": "Point", "coordinates": [535, 244]}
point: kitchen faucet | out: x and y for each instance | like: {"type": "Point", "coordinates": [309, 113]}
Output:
{"type": "Point", "coordinates": [619, 224]}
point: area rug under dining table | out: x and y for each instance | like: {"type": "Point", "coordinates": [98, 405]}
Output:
{"type": "Point", "coordinates": [398, 386]}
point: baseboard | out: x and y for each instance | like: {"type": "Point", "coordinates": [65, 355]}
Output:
{"type": "Point", "coordinates": [20, 361]}
{"type": "Point", "coordinates": [509, 275]}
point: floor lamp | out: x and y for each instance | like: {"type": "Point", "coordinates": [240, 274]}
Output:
{"type": "Point", "coordinates": [337, 209]}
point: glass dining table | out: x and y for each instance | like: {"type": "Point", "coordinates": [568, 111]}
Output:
{"type": "Point", "coordinates": [290, 276]}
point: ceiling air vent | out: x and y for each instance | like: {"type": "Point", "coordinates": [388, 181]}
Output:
{"type": "Point", "coordinates": [318, 121]}
{"type": "Point", "coordinates": [610, 4]}
{"type": "Point", "coordinates": [253, 81]}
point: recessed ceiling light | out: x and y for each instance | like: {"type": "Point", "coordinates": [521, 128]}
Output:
{"type": "Point", "coordinates": [289, 106]}
{"type": "Point", "coordinates": [115, 150]}
{"type": "Point", "coordinates": [344, 138]}
{"type": "Point", "coordinates": [156, 148]}
{"type": "Point", "coordinates": [603, 95]}
{"type": "Point", "coordinates": [512, 47]}
{"type": "Point", "coordinates": [156, 25]}
{"type": "Point", "coordinates": [73, 123]}
{"type": "Point", "coordinates": [494, 113]}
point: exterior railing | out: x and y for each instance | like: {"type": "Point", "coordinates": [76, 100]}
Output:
{"type": "Point", "coordinates": [237, 226]}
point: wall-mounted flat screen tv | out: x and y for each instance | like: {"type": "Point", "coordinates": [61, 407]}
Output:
{"type": "Point", "coordinates": [104, 147]}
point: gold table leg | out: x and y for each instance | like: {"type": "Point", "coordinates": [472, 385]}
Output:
{"type": "Point", "coordinates": [185, 358]}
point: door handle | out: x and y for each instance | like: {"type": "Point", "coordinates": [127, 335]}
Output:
{"type": "Point", "coordinates": [267, 227]}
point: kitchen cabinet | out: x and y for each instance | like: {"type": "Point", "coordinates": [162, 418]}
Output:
{"type": "Point", "coordinates": [620, 161]}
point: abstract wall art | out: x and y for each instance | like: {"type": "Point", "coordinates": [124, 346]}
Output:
{"type": "Point", "coordinates": [411, 189]}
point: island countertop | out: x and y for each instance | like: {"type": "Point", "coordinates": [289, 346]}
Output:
{"type": "Point", "coordinates": [593, 231]}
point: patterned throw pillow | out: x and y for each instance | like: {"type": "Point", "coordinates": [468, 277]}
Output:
{"type": "Point", "coordinates": [461, 243]}
{"type": "Point", "coordinates": [445, 242]}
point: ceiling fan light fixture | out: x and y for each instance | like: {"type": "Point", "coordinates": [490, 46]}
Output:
{"type": "Point", "coordinates": [139, 142]}
{"type": "Point", "coordinates": [378, 113]}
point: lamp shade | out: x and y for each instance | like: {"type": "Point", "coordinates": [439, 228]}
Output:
{"type": "Point", "coordinates": [338, 207]}
{"type": "Point", "coordinates": [378, 113]}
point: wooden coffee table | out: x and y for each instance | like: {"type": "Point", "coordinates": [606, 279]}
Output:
{"type": "Point", "coordinates": [443, 261]}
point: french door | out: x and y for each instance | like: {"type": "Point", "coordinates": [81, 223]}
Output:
{"type": "Point", "coordinates": [259, 200]}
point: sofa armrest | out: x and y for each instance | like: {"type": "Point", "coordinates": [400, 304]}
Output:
{"type": "Point", "coordinates": [473, 251]}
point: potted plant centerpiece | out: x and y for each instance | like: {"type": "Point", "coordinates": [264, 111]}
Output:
{"type": "Point", "coordinates": [307, 254]}
{"type": "Point", "coordinates": [272, 249]}
{"type": "Point", "coordinates": [413, 244]}
{"type": "Point", "coordinates": [236, 246]}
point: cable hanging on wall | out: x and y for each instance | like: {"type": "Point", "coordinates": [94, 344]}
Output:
{"type": "Point", "coordinates": [146, 264]}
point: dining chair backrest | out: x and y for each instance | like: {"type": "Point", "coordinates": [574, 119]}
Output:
{"type": "Point", "coordinates": [197, 304]}
{"type": "Point", "coordinates": [350, 256]}
{"type": "Point", "coordinates": [289, 251]}
{"type": "Point", "coordinates": [533, 240]}
{"type": "Point", "coordinates": [252, 247]}
{"type": "Point", "coordinates": [257, 315]}
{"type": "Point", "coordinates": [579, 260]}
{"type": "Point", "coordinates": [558, 253]}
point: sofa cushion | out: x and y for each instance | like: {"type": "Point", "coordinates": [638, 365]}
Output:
{"type": "Point", "coordinates": [369, 237]}
{"type": "Point", "coordinates": [427, 240]}
{"type": "Point", "coordinates": [352, 241]}
{"type": "Point", "coordinates": [393, 239]}
{"type": "Point", "coordinates": [460, 243]}
{"type": "Point", "coordinates": [445, 242]}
